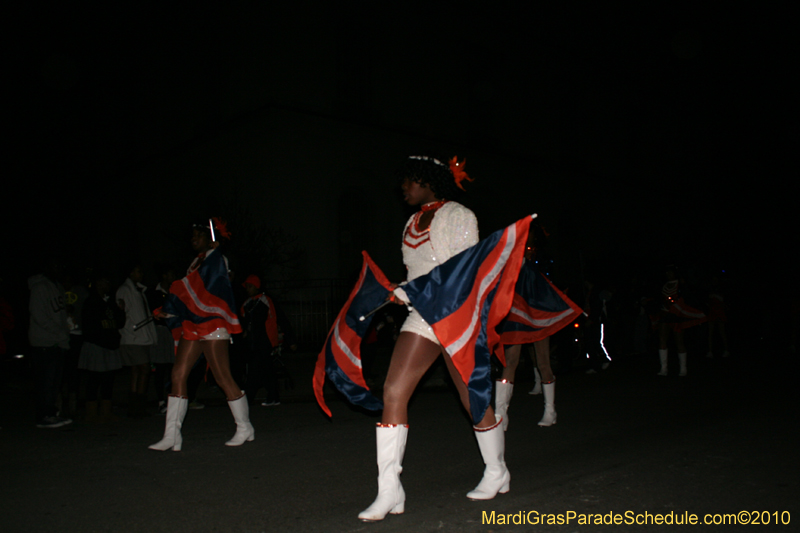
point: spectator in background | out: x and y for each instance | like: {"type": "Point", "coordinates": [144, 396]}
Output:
{"type": "Point", "coordinates": [163, 355]}
{"type": "Point", "coordinates": [48, 334]}
{"type": "Point", "coordinates": [260, 336]}
{"type": "Point", "coordinates": [136, 344]}
{"type": "Point", "coordinates": [100, 358]}
{"type": "Point", "coordinates": [76, 295]}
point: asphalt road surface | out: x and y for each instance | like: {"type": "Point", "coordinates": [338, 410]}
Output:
{"type": "Point", "coordinates": [628, 445]}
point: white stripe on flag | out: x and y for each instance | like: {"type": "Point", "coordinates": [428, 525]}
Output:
{"type": "Point", "coordinates": [343, 346]}
{"type": "Point", "coordinates": [486, 282]}
{"type": "Point", "coordinates": [339, 342]}
{"type": "Point", "coordinates": [540, 322]}
{"type": "Point", "coordinates": [210, 310]}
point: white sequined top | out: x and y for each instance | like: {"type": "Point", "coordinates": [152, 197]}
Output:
{"type": "Point", "coordinates": [454, 228]}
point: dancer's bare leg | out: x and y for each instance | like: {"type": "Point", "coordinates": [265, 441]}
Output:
{"type": "Point", "coordinates": [679, 341]}
{"type": "Point", "coordinates": [542, 349]}
{"type": "Point", "coordinates": [139, 375]}
{"type": "Point", "coordinates": [141, 382]}
{"type": "Point", "coordinates": [512, 361]}
{"type": "Point", "coordinates": [217, 355]}
{"type": "Point", "coordinates": [413, 355]}
{"type": "Point", "coordinates": [187, 355]}
{"type": "Point", "coordinates": [663, 336]}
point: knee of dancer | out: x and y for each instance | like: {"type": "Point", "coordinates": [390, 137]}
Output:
{"type": "Point", "coordinates": [393, 394]}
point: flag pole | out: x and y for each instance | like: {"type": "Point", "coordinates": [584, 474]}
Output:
{"type": "Point", "coordinates": [144, 322]}
{"type": "Point", "coordinates": [384, 304]}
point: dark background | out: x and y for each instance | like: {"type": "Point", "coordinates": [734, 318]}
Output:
{"type": "Point", "coordinates": [641, 136]}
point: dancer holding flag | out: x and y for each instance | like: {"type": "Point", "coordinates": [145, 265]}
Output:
{"type": "Point", "coordinates": [674, 316]}
{"type": "Point", "coordinates": [460, 290]}
{"type": "Point", "coordinates": [539, 311]}
{"type": "Point", "coordinates": [199, 311]}
{"type": "Point", "coordinates": [441, 230]}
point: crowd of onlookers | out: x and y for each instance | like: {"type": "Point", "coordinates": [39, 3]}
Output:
{"type": "Point", "coordinates": [85, 326]}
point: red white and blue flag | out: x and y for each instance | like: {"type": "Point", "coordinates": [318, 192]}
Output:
{"type": "Point", "coordinates": [340, 359]}
{"type": "Point", "coordinates": [679, 315]}
{"type": "Point", "coordinates": [466, 298]}
{"type": "Point", "coordinates": [202, 302]}
{"type": "Point", "coordinates": [539, 309]}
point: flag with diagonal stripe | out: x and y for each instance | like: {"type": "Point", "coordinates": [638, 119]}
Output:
{"type": "Point", "coordinates": [466, 298]}
{"type": "Point", "coordinates": [539, 309]}
{"type": "Point", "coordinates": [203, 299]}
{"type": "Point", "coordinates": [340, 358]}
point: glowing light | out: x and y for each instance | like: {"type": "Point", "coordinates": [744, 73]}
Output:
{"type": "Point", "coordinates": [602, 335]}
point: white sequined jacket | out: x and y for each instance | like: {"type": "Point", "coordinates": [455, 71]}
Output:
{"type": "Point", "coordinates": [454, 229]}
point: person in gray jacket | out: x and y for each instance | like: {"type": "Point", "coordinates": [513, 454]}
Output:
{"type": "Point", "coordinates": [136, 344]}
{"type": "Point", "coordinates": [48, 334]}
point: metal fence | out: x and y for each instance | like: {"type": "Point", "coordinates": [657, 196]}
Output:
{"type": "Point", "coordinates": [310, 306]}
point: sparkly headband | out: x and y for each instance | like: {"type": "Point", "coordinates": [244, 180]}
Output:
{"type": "Point", "coordinates": [456, 168]}
{"type": "Point", "coordinates": [426, 158]}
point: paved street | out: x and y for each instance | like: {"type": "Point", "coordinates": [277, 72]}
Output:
{"type": "Point", "coordinates": [722, 440]}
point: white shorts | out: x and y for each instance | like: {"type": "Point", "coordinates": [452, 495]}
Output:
{"type": "Point", "coordinates": [416, 324]}
{"type": "Point", "coordinates": [217, 334]}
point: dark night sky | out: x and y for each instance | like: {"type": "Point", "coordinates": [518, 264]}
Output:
{"type": "Point", "coordinates": [641, 136]}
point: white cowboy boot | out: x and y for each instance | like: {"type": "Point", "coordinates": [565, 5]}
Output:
{"type": "Point", "coordinates": [391, 444]}
{"type": "Point", "coordinates": [549, 417]}
{"type": "Point", "coordinates": [502, 397]}
{"type": "Point", "coordinates": [537, 388]}
{"type": "Point", "coordinates": [244, 429]}
{"type": "Point", "coordinates": [496, 478]}
{"type": "Point", "coordinates": [662, 355]}
{"type": "Point", "coordinates": [176, 411]}
{"type": "Point", "coordinates": [682, 360]}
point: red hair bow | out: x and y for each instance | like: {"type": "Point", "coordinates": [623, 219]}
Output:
{"type": "Point", "coordinates": [458, 171]}
{"type": "Point", "coordinates": [222, 227]}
